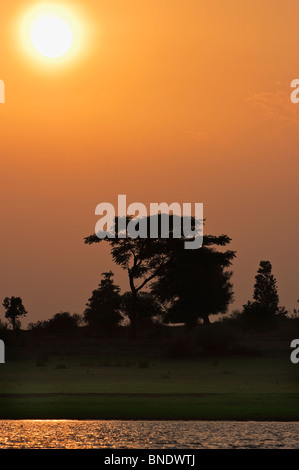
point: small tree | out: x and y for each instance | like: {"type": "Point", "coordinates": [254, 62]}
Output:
{"type": "Point", "coordinates": [265, 290]}
{"type": "Point", "coordinates": [265, 306]}
{"type": "Point", "coordinates": [103, 308]}
{"type": "Point", "coordinates": [14, 309]}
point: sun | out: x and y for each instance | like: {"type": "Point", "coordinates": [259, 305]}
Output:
{"type": "Point", "coordinates": [51, 36]}
{"type": "Point", "coordinates": [54, 33]}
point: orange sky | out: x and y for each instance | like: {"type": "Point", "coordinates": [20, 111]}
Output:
{"type": "Point", "coordinates": [168, 100]}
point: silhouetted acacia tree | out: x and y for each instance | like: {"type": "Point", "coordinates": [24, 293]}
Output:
{"type": "Point", "coordinates": [147, 259]}
{"type": "Point", "coordinates": [14, 309]}
{"type": "Point", "coordinates": [103, 308]}
{"type": "Point", "coordinates": [195, 283]}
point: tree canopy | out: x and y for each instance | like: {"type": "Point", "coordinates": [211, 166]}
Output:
{"type": "Point", "coordinates": [196, 284]}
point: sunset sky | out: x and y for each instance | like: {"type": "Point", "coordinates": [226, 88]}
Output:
{"type": "Point", "coordinates": [161, 100]}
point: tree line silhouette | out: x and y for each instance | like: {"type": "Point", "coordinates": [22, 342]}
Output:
{"type": "Point", "coordinates": [168, 284]}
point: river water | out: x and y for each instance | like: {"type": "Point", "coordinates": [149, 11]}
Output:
{"type": "Point", "coordinates": [72, 434]}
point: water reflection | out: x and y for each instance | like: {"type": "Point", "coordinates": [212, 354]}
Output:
{"type": "Point", "coordinates": [71, 434]}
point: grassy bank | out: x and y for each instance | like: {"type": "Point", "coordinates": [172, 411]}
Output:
{"type": "Point", "coordinates": [71, 386]}
{"type": "Point", "coordinates": [254, 406]}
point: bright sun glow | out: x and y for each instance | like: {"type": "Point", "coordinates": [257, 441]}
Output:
{"type": "Point", "coordinates": [51, 36]}
{"type": "Point", "coordinates": [54, 33]}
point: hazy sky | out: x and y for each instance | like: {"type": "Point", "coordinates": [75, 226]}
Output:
{"type": "Point", "coordinates": [166, 100]}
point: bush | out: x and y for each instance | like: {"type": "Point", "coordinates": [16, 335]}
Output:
{"type": "Point", "coordinates": [232, 320]}
{"type": "Point", "coordinates": [37, 327]}
{"type": "Point", "coordinates": [255, 318]}
{"type": "Point", "coordinates": [62, 323]}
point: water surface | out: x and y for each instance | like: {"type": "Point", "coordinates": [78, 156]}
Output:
{"type": "Point", "coordinates": [72, 434]}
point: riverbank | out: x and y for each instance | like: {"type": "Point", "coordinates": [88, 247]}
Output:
{"type": "Point", "coordinates": [233, 388]}
{"type": "Point", "coordinates": [214, 407]}
{"type": "Point", "coordinates": [114, 378]}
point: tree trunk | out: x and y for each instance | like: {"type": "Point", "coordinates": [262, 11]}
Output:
{"type": "Point", "coordinates": [134, 306]}
{"type": "Point", "coordinates": [206, 320]}
{"type": "Point", "coordinates": [134, 314]}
